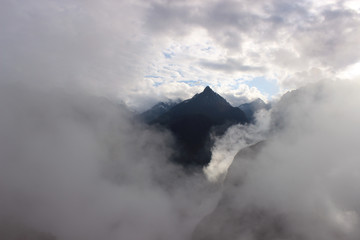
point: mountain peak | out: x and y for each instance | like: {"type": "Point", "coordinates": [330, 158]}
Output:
{"type": "Point", "coordinates": [259, 100]}
{"type": "Point", "coordinates": [192, 121]}
{"type": "Point", "coordinates": [208, 90]}
{"type": "Point", "coordinates": [251, 108]}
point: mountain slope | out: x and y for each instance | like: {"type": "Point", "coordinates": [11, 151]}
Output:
{"type": "Point", "coordinates": [158, 109]}
{"type": "Point", "coordinates": [191, 122]}
{"type": "Point", "coordinates": [252, 107]}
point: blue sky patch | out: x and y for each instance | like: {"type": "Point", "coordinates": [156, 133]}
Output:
{"type": "Point", "coordinates": [156, 84]}
{"type": "Point", "coordinates": [151, 76]}
{"type": "Point", "coordinates": [265, 86]}
{"type": "Point", "coordinates": [168, 55]}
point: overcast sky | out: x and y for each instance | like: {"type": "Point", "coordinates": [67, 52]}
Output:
{"type": "Point", "coordinates": [145, 51]}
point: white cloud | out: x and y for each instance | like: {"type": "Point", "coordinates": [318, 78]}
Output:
{"type": "Point", "coordinates": [113, 46]}
{"type": "Point", "coordinates": [280, 40]}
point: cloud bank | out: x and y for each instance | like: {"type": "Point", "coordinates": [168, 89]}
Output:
{"type": "Point", "coordinates": [77, 166]}
{"type": "Point", "coordinates": [301, 182]}
{"type": "Point", "coordinates": [147, 51]}
{"type": "Point", "coordinates": [293, 43]}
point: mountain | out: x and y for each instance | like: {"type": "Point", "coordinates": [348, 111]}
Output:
{"type": "Point", "coordinates": [191, 122]}
{"type": "Point", "coordinates": [252, 107]}
{"type": "Point", "coordinates": [158, 109]}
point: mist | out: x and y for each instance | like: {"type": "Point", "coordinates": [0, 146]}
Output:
{"type": "Point", "coordinates": [300, 183]}
{"type": "Point", "coordinates": [236, 137]}
{"type": "Point", "coordinates": [74, 161]}
{"type": "Point", "coordinates": [77, 166]}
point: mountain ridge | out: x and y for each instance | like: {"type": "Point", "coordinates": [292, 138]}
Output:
{"type": "Point", "coordinates": [158, 109]}
{"type": "Point", "coordinates": [252, 107]}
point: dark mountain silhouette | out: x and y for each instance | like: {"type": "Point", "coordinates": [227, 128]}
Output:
{"type": "Point", "coordinates": [191, 122]}
{"type": "Point", "coordinates": [158, 109]}
{"type": "Point", "coordinates": [252, 107]}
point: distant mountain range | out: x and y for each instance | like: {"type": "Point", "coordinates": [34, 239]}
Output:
{"type": "Point", "coordinates": [192, 121]}
{"type": "Point", "coordinates": [252, 107]}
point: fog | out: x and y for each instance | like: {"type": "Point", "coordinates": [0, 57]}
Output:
{"type": "Point", "coordinates": [236, 138]}
{"type": "Point", "coordinates": [307, 173]}
{"type": "Point", "coordinates": [302, 183]}
{"type": "Point", "coordinates": [80, 167]}
{"type": "Point", "coordinates": [74, 161]}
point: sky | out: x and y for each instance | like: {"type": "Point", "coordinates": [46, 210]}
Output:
{"type": "Point", "coordinates": [143, 52]}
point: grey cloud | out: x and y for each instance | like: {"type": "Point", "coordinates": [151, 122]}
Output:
{"type": "Point", "coordinates": [170, 16]}
{"type": "Point", "coordinates": [324, 37]}
{"type": "Point", "coordinates": [231, 65]}
{"type": "Point", "coordinates": [73, 161]}
{"type": "Point", "coordinates": [76, 166]}
{"type": "Point", "coordinates": [226, 21]}
{"type": "Point", "coordinates": [64, 43]}
{"type": "Point", "coordinates": [331, 38]}
{"type": "Point", "coordinates": [299, 184]}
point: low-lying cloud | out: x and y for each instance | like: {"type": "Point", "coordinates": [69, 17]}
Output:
{"type": "Point", "coordinates": [77, 166]}
{"type": "Point", "coordinates": [301, 183]}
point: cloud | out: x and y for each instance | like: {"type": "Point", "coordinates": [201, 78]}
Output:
{"type": "Point", "coordinates": [275, 39]}
{"type": "Point", "coordinates": [300, 183]}
{"type": "Point", "coordinates": [112, 46]}
{"type": "Point", "coordinates": [74, 162]}
{"type": "Point", "coordinates": [231, 65]}
{"type": "Point", "coordinates": [78, 166]}
{"type": "Point", "coordinates": [62, 43]}
{"type": "Point", "coordinates": [334, 31]}
{"type": "Point", "coordinates": [237, 137]}
{"type": "Point", "coordinates": [239, 94]}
